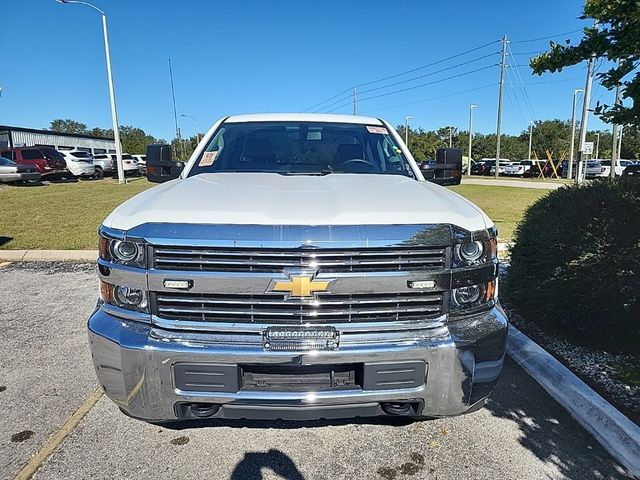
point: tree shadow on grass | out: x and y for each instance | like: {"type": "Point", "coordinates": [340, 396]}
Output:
{"type": "Point", "coordinates": [548, 430]}
{"type": "Point", "coordinates": [5, 240]}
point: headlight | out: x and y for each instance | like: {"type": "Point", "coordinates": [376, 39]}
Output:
{"type": "Point", "coordinates": [473, 253]}
{"type": "Point", "coordinates": [124, 297]}
{"type": "Point", "coordinates": [125, 252]}
{"type": "Point", "coordinates": [470, 297]}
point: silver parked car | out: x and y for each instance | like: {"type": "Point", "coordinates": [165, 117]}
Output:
{"type": "Point", "coordinates": [11, 172]}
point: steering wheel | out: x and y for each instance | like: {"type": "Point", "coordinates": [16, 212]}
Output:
{"type": "Point", "coordinates": [358, 161]}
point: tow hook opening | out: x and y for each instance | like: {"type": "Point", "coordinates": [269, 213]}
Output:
{"type": "Point", "coordinates": [204, 410]}
{"type": "Point", "coordinates": [398, 408]}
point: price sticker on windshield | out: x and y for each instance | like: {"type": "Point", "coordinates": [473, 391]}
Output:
{"type": "Point", "coordinates": [208, 158]}
{"type": "Point", "coordinates": [377, 130]}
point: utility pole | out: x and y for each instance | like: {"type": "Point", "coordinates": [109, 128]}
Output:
{"type": "Point", "coordinates": [585, 114]}
{"type": "Point", "coordinates": [354, 99]}
{"type": "Point", "coordinates": [530, 138]}
{"type": "Point", "coordinates": [503, 67]}
{"type": "Point", "coordinates": [614, 143]}
{"type": "Point", "coordinates": [471, 107]}
{"type": "Point", "coordinates": [406, 129]}
{"type": "Point", "coordinates": [573, 133]}
{"type": "Point", "coordinates": [597, 145]}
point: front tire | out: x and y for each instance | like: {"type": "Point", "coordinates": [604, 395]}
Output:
{"type": "Point", "coordinates": [99, 173]}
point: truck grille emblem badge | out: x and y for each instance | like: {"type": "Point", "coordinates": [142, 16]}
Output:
{"type": "Point", "coordinates": [300, 286]}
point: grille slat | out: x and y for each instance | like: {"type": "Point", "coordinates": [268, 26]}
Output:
{"type": "Point", "coordinates": [327, 308]}
{"type": "Point", "coordinates": [275, 260]}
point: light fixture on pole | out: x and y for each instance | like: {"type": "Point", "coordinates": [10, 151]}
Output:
{"type": "Point", "coordinates": [112, 95]}
{"type": "Point", "coordinates": [406, 129]}
{"type": "Point", "coordinates": [471, 108]}
{"type": "Point", "coordinates": [573, 133]}
{"type": "Point", "coordinates": [195, 120]}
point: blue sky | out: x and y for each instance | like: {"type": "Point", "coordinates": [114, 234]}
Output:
{"type": "Point", "coordinates": [258, 56]}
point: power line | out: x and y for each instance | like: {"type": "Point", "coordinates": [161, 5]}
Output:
{"type": "Point", "coordinates": [522, 86]}
{"type": "Point", "coordinates": [402, 73]}
{"type": "Point", "coordinates": [418, 86]}
{"type": "Point", "coordinates": [547, 37]}
{"type": "Point", "coordinates": [435, 98]}
{"type": "Point", "coordinates": [451, 67]}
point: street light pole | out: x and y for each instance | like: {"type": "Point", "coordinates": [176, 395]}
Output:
{"type": "Point", "coordinates": [450, 136]}
{"type": "Point", "coordinates": [471, 108]}
{"type": "Point", "coordinates": [406, 129]}
{"type": "Point", "coordinates": [112, 95]}
{"type": "Point", "coordinates": [597, 145]}
{"type": "Point", "coordinates": [573, 133]}
{"type": "Point", "coordinates": [530, 138]}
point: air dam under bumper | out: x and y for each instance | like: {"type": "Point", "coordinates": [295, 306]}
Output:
{"type": "Point", "coordinates": [149, 373]}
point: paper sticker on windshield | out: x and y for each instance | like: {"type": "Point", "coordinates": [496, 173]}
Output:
{"type": "Point", "coordinates": [208, 158]}
{"type": "Point", "coordinates": [378, 130]}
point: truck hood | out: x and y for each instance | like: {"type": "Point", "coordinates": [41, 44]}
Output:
{"type": "Point", "coordinates": [274, 199]}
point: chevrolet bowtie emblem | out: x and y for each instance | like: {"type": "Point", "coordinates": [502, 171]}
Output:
{"type": "Point", "coordinates": [300, 286]}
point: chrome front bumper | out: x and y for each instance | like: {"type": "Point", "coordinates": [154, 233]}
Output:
{"type": "Point", "coordinates": [135, 362]}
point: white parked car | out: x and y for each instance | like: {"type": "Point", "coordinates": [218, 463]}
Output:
{"type": "Point", "coordinates": [502, 166]}
{"type": "Point", "coordinates": [107, 162]}
{"type": "Point", "coordinates": [521, 169]}
{"type": "Point", "coordinates": [602, 168]}
{"type": "Point", "coordinates": [79, 163]}
{"type": "Point", "coordinates": [142, 163]}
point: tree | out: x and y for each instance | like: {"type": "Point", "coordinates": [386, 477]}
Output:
{"type": "Point", "coordinates": [68, 126]}
{"type": "Point", "coordinates": [616, 38]}
{"type": "Point", "coordinates": [630, 143]}
{"type": "Point", "coordinates": [135, 140]}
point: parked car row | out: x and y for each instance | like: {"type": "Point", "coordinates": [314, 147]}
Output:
{"type": "Point", "coordinates": [20, 164]}
{"type": "Point", "coordinates": [531, 168]}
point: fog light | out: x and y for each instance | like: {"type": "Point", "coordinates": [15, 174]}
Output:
{"type": "Point", "coordinates": [464, 296]}
{"type": "Point", "coordinates": [131, 298]}
{"type": "Point", "coordinates": [124, 251]}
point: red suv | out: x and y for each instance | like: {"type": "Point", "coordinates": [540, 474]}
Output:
{"type": "Point", "coordinates": [46, 159]}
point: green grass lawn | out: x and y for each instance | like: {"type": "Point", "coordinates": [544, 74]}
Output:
{"type": "Point", "coordinates": [504, 205]}
{"type": "Point", "coordinates": [60, 215]}
{"type": "Point", "coordinates": [66, 216]}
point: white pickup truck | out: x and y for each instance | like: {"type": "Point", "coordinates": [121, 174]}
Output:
{"type": "Point", "coordinates": [299, 267]}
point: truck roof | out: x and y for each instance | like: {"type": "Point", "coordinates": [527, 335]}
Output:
{"type": "Point", "coordinates": [302, 117]}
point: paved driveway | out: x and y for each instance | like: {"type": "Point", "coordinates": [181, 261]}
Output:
{"type": "Point", "coordinates": [46, 373]}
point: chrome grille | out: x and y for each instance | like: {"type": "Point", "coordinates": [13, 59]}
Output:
{"type": "Point", "coordinates": [321, 260]}
{"type": "Point", "coordinates": [327, 308]}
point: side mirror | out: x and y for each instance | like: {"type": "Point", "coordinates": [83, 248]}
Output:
{"type": "Point", "coordinates": [427, 169]}
{"type": "Point", "coordinates": [160, 166]}
{"type": "Point", "coordinates": [446, 169]}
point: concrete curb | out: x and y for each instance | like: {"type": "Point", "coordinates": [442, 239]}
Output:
{"type": "Point", "coordinates": [615, 432]}
{"type": "Point", "coordinates": [49, 255]}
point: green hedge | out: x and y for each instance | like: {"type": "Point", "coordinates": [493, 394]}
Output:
{"type": "Point", "coordinates": [575, 266]}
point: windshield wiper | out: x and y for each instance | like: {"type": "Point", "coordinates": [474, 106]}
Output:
{"type": "Point", "coordinates": [317, 173]}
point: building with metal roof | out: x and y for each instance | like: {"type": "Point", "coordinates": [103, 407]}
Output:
{"type": "Point", "coordinates": [28, 137]}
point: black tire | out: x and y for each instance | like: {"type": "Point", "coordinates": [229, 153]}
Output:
{"type": "Point", "coordinates": [99, 173]}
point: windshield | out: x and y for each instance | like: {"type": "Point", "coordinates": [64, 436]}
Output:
{"type": "Point", "coordinates": [6, 161]}
{"type": "Point", "coordinates": [80, 154]}
{"type": "Point", "coordinates": [302, 148]}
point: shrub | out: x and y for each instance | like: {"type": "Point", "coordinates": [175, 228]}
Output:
{"type": "Point", "coordinates": [575, 265]}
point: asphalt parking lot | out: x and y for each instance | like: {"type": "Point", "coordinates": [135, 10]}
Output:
{"type": "Point", "coordinates": [46, 375]}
